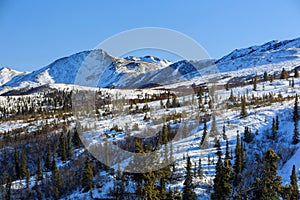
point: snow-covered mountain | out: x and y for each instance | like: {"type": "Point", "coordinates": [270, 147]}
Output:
{"type": "Point", "coordinates": [6, 74]}
{"type": "Point", "coordinates": [269, 53]}
{"type": "Point", "coordinates": [65, 70]}
{"type": "Point", "coordinates": [139, 72]}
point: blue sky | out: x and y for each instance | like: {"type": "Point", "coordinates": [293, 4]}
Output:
{"type": "Point", "coordinates": [34, 33]}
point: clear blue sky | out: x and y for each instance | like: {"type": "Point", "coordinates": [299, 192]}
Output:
{"type": "Point", "coordinates": [34, 33]}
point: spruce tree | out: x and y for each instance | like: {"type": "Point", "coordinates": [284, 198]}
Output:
{"type": "Point", "coordinates": [149, 190]}
{"type": "Point", "coordinates": [243, 107]}
{"type": "Point", "coordinates": [295, 118]}
{"type": "Point", "coordinates": [53, 165]}
{"type": "Point", "coordinates": [231, 97]}
{"type": "Point", "coordinates": [62, 151]}
{"type": "Point", "coordinates": [284, 74]}
{"type": "Point", "coordinates": [268, 186]}
{"type": "Point", "coordinates": [69, 145]}
{"type": "Point", "coordinates": [266, 76]}
{"type": "Point", "coordinates": [255, 83]}
{"type": "Point", "coordinates": [293, 189]}
{"type": "Point", "coordinates": [87, 177]}
{"type": "Point", "coordinates": [238, 163]}
{"type": "Point", "coordinates": [218, 180]}
{"type": "Point", "coordinates": [188, 186]}
{"type": "Point", "coordinates": [39, 172]}
{"type": "Point", "coordinates": [227, 178]}
{"type": "Point", "coordinates": [17, 165]}
{"type": "Point", "coordinates": [296, 72]}
{"type": "Point", "coordinates": [223, 177]}
{"type": "Point", "coordinates": [227, 153]}
{"type": "Point", "coordinates": [277, 123]}
{"type": "Point", "coordinates": [76, 139]}
{"type": "Point", "coordinates": [24, 164]}
{"type": "Point", "coordinates": [274, 130]}
{"type": "Point", "coordinates": [48, 158]}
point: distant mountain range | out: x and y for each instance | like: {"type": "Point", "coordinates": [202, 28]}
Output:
{"type": "Point", "coordinates": [141, 72]}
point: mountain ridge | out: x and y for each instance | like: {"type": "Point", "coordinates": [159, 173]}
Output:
{"type": "Point", "coordinates": [136, 72]}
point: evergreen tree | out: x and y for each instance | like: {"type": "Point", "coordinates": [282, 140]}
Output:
{"type": "Point", "coordinates": [284, 74]}
{"type": "Point", "coordinates": [200, 169]}
{"type": "Point", "coordinates": [218, 180]}
{"type": "Point", "coordinates": [295, 112]}
{"type": "Point", "coordinates": [231, 97]}
{"type": "Point", "coordinates": [188, 186]}
{"type": "Point", "coordinates": [62, 151]}
{"type": "Point", "coordinates": [293, 189]}
{"type": "Point", "coordinates": [296, 117]}
{"type": "Point", "coordinates": [274, 130]}
{"type": "Point", "coordinates": [149, 190]}
{"type": "Point", "coordinates": [227, 153]}
{"type": "Point", "coordinates": [24, 164]}
{"type": "Point", "coordinates": [268, 186]}
{"type": "Point", "coordinates": [266, 76]}
{"type": "Point", "coordinates": [248, 135]}
{"type": "Point", "coordinates": [39, 172]}
{"type": "Point", "coordinates": [53, 165]}
{"type": "Point", "coordinates": [69, 145]}
{"type": "Point", "coordinates": [17, 165]}
{"type": "Point", "coordinates": [48, 158]}
{"type": "Point", "coordinates": [223, 177]}
{"type": "Point", "coordinates": [76, 139]}
{"type": "Point", "coordinates": [243, 107]}
{"type": "Point", "coordinates": [255, 83]}
{"type": "Point", "coordinates": [296, 72]}
{"type": "Point", "coordinates": [238, 162]}
{"type": "Point", "coordinates": [119, 185]}
{"type": "Point", "coordinates": [242, 154]}
{"type": "Point", "coordinates": [277, 123]}
{"type": "Point", "coordinates": [86, 181]}
{"type": "Point", "coordinates": [227, 178]}
{"type": "Point", "coordinates": [57, 181]}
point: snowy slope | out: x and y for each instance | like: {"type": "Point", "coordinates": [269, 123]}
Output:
{"type": "Point", "coordinates": [272, 52]}
{"type": "Point", "coordinates": [6, 74]}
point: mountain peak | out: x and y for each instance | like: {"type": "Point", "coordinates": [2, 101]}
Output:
{"type": "Point", "coordinates": [150, 59]}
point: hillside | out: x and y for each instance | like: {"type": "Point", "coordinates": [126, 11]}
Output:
{"type": "Point", "coordinates": [153, 129]}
